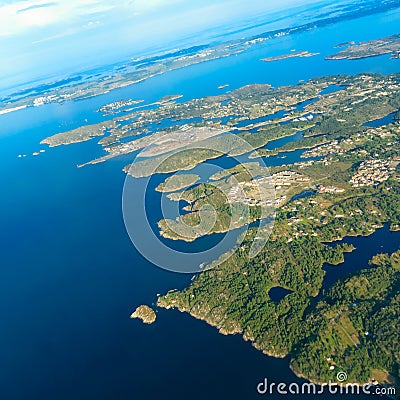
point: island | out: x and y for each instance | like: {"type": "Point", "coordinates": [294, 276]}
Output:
{"type": "Point", "coordinates": [169, 98]}
{"type": "Point", "coordinates": [118, 106]}
{"type": "Point", "coordinates": [144, 313]}
{"type": "Point", "coordinates": [78, 135]}
{"type": "Point", "coordinates": [236, 107]}
{"type": "Point", "coordinates": [257, 113]}
{"type": "Point", "coordinates": [295, 54]}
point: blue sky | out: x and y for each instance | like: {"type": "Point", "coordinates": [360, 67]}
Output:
{"type": "Point", "coordinates": [42, 38]}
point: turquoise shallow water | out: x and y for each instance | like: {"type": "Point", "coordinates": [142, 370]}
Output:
{"type": "Point", "coordinates": [70, 277]}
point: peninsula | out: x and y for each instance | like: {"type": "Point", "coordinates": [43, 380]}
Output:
{"type": "Point", "coordinates": [371, 48]}
{"type": "Point", "coordinates": [177, 182]}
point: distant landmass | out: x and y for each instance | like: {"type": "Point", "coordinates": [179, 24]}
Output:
{"type": "Point", "coordinates": [372, 48]}
{"type": "Point", "coordinates": [91, 84]}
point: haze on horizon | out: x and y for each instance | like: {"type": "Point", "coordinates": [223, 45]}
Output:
{"type": "Point", "coordinates": [41, 39]}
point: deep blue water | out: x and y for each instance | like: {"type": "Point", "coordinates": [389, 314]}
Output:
{"type": "Point", "coordinates": [388, 119]}
{"type": "Point", "coordinates": [332, 89]}
{"type": "Point", "coordinates": [70, 277]}
{"type": "Point", "coordinates": [274, 144]}
{"type": "Point", "coordinates": [382, 241]}
{"type": "Point", "coordinates": [302, 195]}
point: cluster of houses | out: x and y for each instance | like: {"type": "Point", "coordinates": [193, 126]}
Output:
{"type": "Point", "coordinates": [244, 192]}
{"type": "Point", "coordinates": [372, 173]}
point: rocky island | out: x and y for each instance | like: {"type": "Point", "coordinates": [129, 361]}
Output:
{"type": "Point", "coordinates": [144, 313]}
{"type": "Point", "coordinates": [295, 54]}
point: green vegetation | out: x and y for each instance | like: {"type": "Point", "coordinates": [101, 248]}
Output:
{"type": "Point", "coordinates": [343, 203]}
{"type": "Point", "coordinates": [323, 332]}
{"type": "Point", "coordinates": [177, 182]}
{"type": "Point", "coordinates": [336, 132]}
{"type": "Point", "coordinates": [78, 135]}
{"type": "Point", "coordinates": [182, 161]}
{"type": "Point", "coordinates": [234, 296]}
{"type": "Point", "coordinates": [355, 326]}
